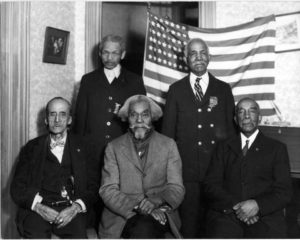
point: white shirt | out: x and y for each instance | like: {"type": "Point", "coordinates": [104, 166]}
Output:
{"type": "Point", "coordinates": [58, 151]}
{"type": "Point", "coordinates": [251, 139]}
{"type": "Point", "coordinates": [111, 74]}
{"type": "Point", "coordinates": [203, 82]}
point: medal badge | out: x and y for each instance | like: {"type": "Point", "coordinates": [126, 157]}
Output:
{"type": "Point", "coordinates": [64, 192]}
{"type": "Point", "coordinates": [213, 101]}
{"type": "Point", "coordinates": [117, 108]}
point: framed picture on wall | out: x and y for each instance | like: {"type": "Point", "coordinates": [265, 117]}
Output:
{"type": "Point", "coordinates": [56, 46]}
{"type": "Point", "coordinates": [288, 32]}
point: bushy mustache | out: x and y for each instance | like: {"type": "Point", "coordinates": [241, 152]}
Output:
{"type": "Point", "coordinates": [133, 126]}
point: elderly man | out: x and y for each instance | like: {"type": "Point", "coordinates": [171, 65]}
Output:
{"type": "Point", "coordinates": [248, 182]}
{"type": "Point", "coordinates": [199, 112]}
{"type": "Point", "coordinates": [141, 180]}
{"type": "Point", "coordinates": [56, 180]}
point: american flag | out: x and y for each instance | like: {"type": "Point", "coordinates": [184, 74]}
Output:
{"type": "Point", "coordinates": [243, 56]}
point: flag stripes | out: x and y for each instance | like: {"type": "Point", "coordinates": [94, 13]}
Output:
{"type": "Point", "coordinates": [243, 56]}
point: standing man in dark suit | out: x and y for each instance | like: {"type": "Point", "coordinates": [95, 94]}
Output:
{"type": "Point", "coordinates": [56, 180]}
{"type": "Point", "coordinates": [101, 95]}
{"type": "Point", "coordinates": [248, 182]}
{"type": "Point", "coordinates": [199, 112]}
{"type": "Point", "coordinates": [103, 92]}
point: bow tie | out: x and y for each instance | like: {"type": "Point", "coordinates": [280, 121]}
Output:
{"type": "Point", "coordinates": [60, 143]}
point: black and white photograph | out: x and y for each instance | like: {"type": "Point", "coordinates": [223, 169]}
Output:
{"type": "Point", "coordinates": [150, 119]}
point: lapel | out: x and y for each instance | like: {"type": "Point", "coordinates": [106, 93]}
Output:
{"type": "Point", "coordinates": [155, 151]}
{"type": "Point", "coordinates": [208, 93]}
{"type": "Point", "coordinates": [128, 149]}
{"type": "Point", "coordinates": [74, 148]}
{"type": "Point", "coordinates": [235, 145]}
{"type": "Point", "coordinates": [256, 147]}
{"type": "Point", "coordinates": [39, 156]}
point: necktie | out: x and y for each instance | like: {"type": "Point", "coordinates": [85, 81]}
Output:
{"type": "Point", "coordinates": [245, 148]}
{"type": "Point", "coordinates": [198, 89]}
{"type": "Point", "coordinates": [57, 144]}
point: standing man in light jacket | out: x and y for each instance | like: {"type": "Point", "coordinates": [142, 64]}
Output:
{"type": "Point", "coordinates": [199, 112]}
{"type": "Point", "coordinates": [141, 180]}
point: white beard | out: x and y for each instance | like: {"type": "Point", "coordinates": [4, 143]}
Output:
{"type": "Point", "coordinates": [140, 133]}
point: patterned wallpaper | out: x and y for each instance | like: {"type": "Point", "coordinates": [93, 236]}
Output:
{"type": "Point", "coordinates": [48, 80]}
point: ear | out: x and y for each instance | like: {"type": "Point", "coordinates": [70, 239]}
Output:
{"type": "Point", "coordinates": [123, 55]}
{"type": "Point", "coordinates": [185, 59]}
{"type": "Point", "coordinates": [70, 120]}
{"type": "Point", "coordinates": [235, 119]}
{"type": "Point", "coordinates": [259, 118]}
{"type": "Point", "coordinates": [46, 121]}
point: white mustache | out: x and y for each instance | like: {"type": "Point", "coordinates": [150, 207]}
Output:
{"type": "Point", "coordinates": [139, 126]}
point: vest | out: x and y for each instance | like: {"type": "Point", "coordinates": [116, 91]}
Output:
{"type": "Point", "coordinates": [57, 177]}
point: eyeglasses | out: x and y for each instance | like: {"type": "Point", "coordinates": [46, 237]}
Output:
{"type": "Point", "coordinates": [143, 115]}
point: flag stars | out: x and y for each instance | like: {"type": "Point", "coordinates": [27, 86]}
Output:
{"type": "Point", "coordinates": [159, 60]}
{"type": "Point", "coordinates": [165, 61]}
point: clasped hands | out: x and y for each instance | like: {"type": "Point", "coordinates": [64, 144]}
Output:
{"type": "Point", "coordinates": [152, 206]}
{"type": "Point", "coordinates": [246, 211]}
{"type": "Point", "coordinates": [54, 217]}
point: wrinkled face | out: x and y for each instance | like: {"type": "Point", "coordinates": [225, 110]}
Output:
{"type": "Point", "coordinates": [111, 54]}
{"type": "Point", "coordinates": [58, 117]}
{"type": "Point", "coordinates": [140, 120]}
{"type": "Point", "coordinates": [248, 116]}
{"type": "Point", "coordinates": [197, 57]}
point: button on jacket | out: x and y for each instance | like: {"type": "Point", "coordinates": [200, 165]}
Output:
{"type": "Point", "coordinates": [197, 126]}
{"type": "Point", "coordinates": [98, 103]}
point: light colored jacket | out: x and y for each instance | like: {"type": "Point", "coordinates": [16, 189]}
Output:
{"type": "Point", "coordinates": [125, 183]}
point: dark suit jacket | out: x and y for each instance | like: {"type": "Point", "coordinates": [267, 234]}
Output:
{"type": "Point", "coordinates": [96, 103]}
{"type": "Point", "coordinates": [29, 173]}
{"type": "Point", "coordinates": [263, 175]}
{"type": "Point", "coordinates": [195, 127]}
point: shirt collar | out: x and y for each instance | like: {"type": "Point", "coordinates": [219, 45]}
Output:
{"type": "Point", "coordinates": [203, 83]}
{"type": "Point", "coordinates": [111, 74]}
{"type": "Point", "coordinates": [251, 138]}
{"type": "Point", "coordinates": [61, 140]}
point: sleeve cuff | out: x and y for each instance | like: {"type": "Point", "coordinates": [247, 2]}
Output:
{"type": "Point", "coordinates": [37, 199]}
{"type": "Point", "coordinates": [82, 205]}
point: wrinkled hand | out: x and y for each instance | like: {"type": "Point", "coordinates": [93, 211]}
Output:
{"type": "Point", "coordinates": [47, 213]}
{"type": "Point", "coordinates": [159, 215]}
{"type": "Point", "coordinates": [246, 209]}
{"type": "Point", "coordinates": [66, 215]}
{"type": "Point", "coordinates": [252, 220]}
{"type": "Point", "coordinates": [146, 206]}
{"type": "Point", "coordinates": [157, 201]}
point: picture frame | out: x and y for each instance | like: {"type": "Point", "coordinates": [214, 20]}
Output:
{"type": "Point", "coordinates": [288, 32]}
{"type": "Point", "coordinates": [56, 46]}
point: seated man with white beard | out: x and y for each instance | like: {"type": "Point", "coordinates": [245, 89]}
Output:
{"type": "Point", "coordinates": [141, 183]}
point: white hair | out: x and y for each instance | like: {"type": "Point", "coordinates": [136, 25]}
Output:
{"type": "Point", "coordinates": [155, 109]}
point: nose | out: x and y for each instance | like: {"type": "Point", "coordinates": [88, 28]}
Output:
{"type": "Point", "coordinates": [139, 118]}
{"type": "Point", "coordinates": [57, 118]}
{"type": "Point", "coordinates": [109, 56]}
{"type": "Point", "coordinates": [247, 114]}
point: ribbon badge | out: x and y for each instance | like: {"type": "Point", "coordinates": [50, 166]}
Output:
{"type": "Point", "coordinates": [213, 101]}
{"type": "Point", "coordinates": [117, 108]}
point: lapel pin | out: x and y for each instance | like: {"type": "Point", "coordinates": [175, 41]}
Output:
{"type": "Point", "coordinates": [78, 149]}
{"type": "Point", "coordinates": [256, 149]}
